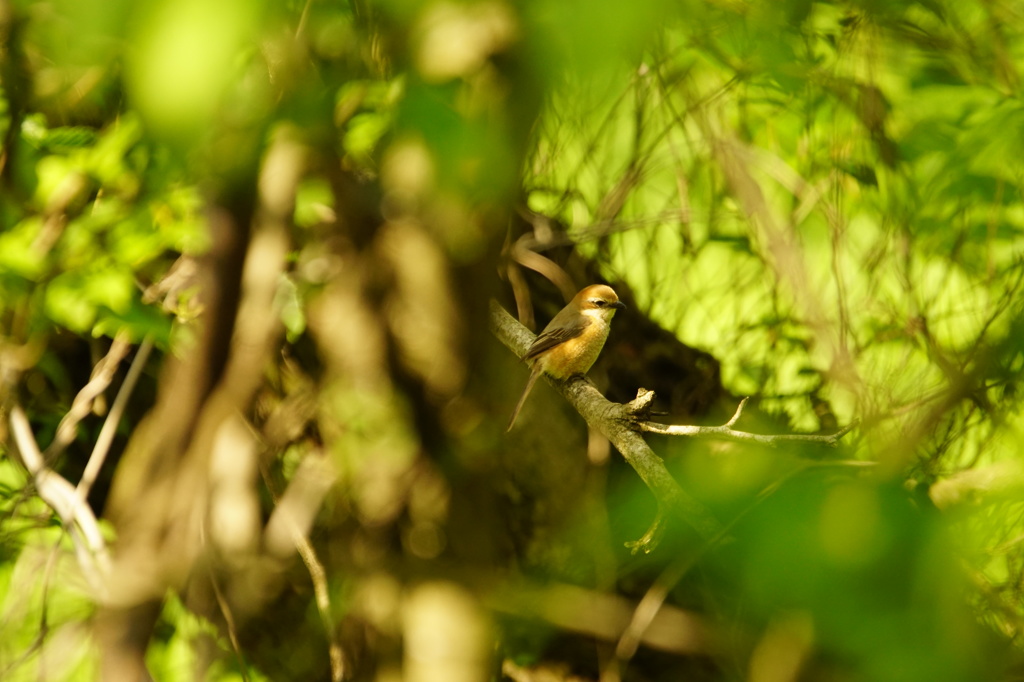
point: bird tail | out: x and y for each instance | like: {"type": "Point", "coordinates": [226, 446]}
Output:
{"type": "Point", "coordinates": [522, 399]}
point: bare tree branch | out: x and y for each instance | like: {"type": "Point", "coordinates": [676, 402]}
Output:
{"type": "Point", "coordinates": [616, 423]}
{"type": "Point", "coordinates": [59, 494]}
{"type": "Point", "coordinates": [622, 425]}
{"type": "Point", "coordinates": [606, 616]}
{"type": "Point", "coordinates": [102, 374]}
{"type": "Point", "coordinates": [289, 526]}
{"type": "Point", "coordinates": [726, 432]}
{"type": "Point", "coordinates": [109, 428]}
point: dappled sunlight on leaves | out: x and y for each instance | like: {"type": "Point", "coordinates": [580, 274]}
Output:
{"type": "Point", "coordinates": [316, 215]}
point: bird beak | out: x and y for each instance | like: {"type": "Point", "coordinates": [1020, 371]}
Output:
{"type": "Point", "coordinates": [619, 305]}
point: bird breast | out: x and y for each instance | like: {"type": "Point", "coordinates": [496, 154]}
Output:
{"type": "Point", "coordinates": [577, 355]}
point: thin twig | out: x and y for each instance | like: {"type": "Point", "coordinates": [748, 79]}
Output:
{"type": "Point", "coordinates": [303, 20]}
{"type": "Point", "coordinates": [317, 573]}
{"type": "Point", "coordinates": [109, 428]}
{"type": "Point", "coordinates": [726, 432]}
{"type": "Point", "coordinates": [59, 495]}
{"type": "Point", "coordinates": [739, 411]}
{"type": "Point", "coordinates": [102, 374]}
{"type": "Point", "coordinates": [229, 619]}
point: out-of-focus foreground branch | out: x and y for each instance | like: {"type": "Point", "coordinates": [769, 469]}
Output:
{"type": "Point", "coordinates": [60, 495]}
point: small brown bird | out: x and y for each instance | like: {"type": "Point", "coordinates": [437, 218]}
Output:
{"type": "Point", "coordinates": [573, 339]}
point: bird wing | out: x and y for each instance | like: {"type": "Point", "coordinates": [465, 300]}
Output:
{"type": "Point", "coordinates": [549, 338]}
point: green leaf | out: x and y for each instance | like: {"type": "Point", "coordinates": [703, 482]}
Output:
{"type": "Point", "coordinates": [67, 304]}
{"type": "Point", "coordinates": [19, 253]}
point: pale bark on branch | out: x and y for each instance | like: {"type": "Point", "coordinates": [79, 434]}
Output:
{"type": "Point", "coordinates": [726, 430]}
{"type": "Point", "coordinates": [615, 422]}
{"type": "Point", "coordinates": [59, 494]}
{"type": "Point", "coordinates": [623, 425]}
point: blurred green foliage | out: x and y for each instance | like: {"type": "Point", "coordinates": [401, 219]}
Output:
{"type": "Point", "coordinates": [824, 196]}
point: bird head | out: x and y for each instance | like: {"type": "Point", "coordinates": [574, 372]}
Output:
{"type": "Point", "coordinates": [599, 300]}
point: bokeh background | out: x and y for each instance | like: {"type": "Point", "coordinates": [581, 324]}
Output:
{"type": "Point", "coordinates": [253, 411]}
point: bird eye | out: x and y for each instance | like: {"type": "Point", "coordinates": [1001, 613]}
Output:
{"type": "Point", "coordinates": [599, 303]}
